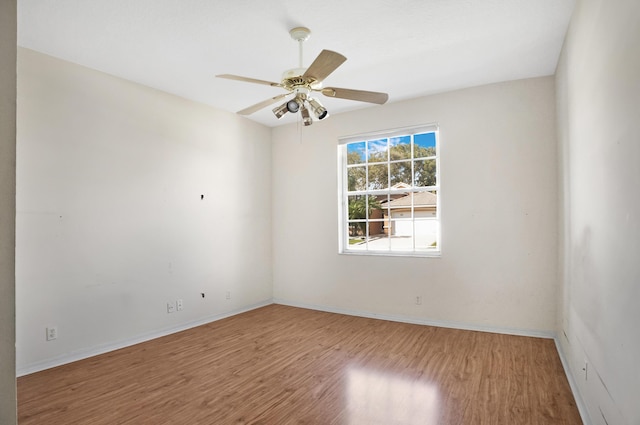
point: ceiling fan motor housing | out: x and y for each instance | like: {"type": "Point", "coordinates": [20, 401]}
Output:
{"type": "Point", "coordinates": [293, 77]}
{"type": "Point", "coordinates": [293, 73]}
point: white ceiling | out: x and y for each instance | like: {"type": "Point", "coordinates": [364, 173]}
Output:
{"type": "Point", "coordinates": [407, 48]}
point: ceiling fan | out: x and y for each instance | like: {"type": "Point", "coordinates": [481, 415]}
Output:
{"type": "Point", "coordinates": [302, 83]}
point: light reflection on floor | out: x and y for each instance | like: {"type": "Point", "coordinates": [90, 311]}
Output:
{"type": "Point", "coordinates": [381, 398]}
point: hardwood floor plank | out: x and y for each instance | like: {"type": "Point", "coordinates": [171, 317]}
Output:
{"type": "Point", "coordinates": [283, 365]}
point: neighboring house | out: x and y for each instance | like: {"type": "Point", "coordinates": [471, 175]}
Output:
{"type": "Point", "coordinates": [399, 210]}
{"type": "Point", "coordinates": [379, 227]}
{"type": "Point", "coordinates": [398, 186]}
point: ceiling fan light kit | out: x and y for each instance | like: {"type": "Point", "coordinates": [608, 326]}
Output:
{"type": "Point", "coordinates": [319, 110]}
{"type": "Point", "coordinates": [306, 118]}
{"type": "Point", "coordinates": [302, 82]}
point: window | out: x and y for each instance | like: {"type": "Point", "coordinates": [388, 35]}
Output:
{"type": "Point", "coordinates": [389, 188]}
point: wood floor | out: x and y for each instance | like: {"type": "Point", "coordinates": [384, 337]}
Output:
{"type": "Point", "coordinates": [282, 365]}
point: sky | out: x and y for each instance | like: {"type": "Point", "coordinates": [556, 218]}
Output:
{"type": "Point", "coordinates": [425, 140]}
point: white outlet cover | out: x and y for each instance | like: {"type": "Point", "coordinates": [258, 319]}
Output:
{"type": "Point", "coordinates": [171, 307]}
{"type": "Point", "coordinates": [52, 333]}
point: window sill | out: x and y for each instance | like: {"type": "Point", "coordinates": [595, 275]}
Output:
{"type": "Point", "coordinates": [432, 254]}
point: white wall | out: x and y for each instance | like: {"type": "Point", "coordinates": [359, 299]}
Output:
{"type": "Point", "coordinates": [110, 221]}
{"type": "Point", "coordinates": [598, 86]}
{"type": "Point", "coordinates": [499, 202]}
{"type": "Point", "coordinates": [7, 210]}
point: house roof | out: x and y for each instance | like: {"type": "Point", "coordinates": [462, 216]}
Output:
{"type": "Point", "coordinates": [420, 199]}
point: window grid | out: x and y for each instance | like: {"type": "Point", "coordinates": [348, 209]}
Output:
{"type": "Point", "coordinates": [358, 235]}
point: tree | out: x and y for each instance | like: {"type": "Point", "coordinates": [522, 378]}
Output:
{"type": "Point", "coordinates": [354, 157]}
{"type": "Point", "coordinates": [400, 172]}
{"type": "Point", "coordinates": [361, 207]}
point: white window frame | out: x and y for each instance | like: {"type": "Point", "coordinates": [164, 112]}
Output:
{"type": "Point", "coordinates": [343, 195]}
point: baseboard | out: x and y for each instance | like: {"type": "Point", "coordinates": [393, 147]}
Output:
{"type": "Point", "coordinates": [582, 407]}
{"type": "Point", "coordinates": [419, 321]}
{"type": "Point", "coordinates": [101, 349]}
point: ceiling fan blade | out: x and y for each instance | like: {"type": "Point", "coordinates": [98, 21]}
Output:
{"type": "Point", "coordinates": [248, 80]}
{"type": "Point", "coordinates": [326, 62]}
{"type": "Point", "coordinates": [361, 95]}
{"type": "Point", "coordinates": [255, 108]}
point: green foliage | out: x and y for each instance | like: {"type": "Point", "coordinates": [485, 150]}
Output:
{"type": "Point", "coordinates": [357, 178]}
{"type": "Point", "coordinates": [381, 177]}
{"type": "Point", "coordinates": [354, 158]}
{"type": "Point", "coordinates": [361, 207]}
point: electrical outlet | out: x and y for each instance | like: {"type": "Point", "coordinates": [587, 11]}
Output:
{"type": "Point", "coordinates": [171, 307]}
{"type": "Point", "coordinates": [179, 305]}
{"type": "Point", "coordinates": [418, 300]}
{"type": "Point", "coordinates": [52, 333]}
{"type": "Point", "coordinates": [228, 296]}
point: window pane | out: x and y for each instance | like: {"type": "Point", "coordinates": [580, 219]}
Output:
{"type": "Point", "coordinates": [400, 173]}
{"type": "Point", "coordinates": [425, 172]}
{"type": "Point", "coordinates": [426, 233]}
{"type": "Point", "coordinates": [357, 207]}
{"type": "Point", "coordinates": [357, 178]}
{"type": "Point", "coordinates": [367, 238]}
{"type": "Point", "coordinates": [400, 148]}
{"type": "Point", "coordinates": [378, 176]}
{"type": "Point", "coordinates": [379, 243]}
{"type": "Point", "coordinates": [401, 231]}
{"type": "Point", "coordinates": [376, 227]}
{"type": "Point", "coordinates": [377, 150]}
{"type": "Point", "coordinates": [374, 211]}
{"type": "Point", "coordinates": [424, 204]}
{"type": "Point", "coordinates": [356, 153]}
{"type": "Point", "coordinates": [402, 242]}
{"type": "Point", "coordinates": [424, 145]}
{"type": "Point", "coordinates": [357, 232]}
